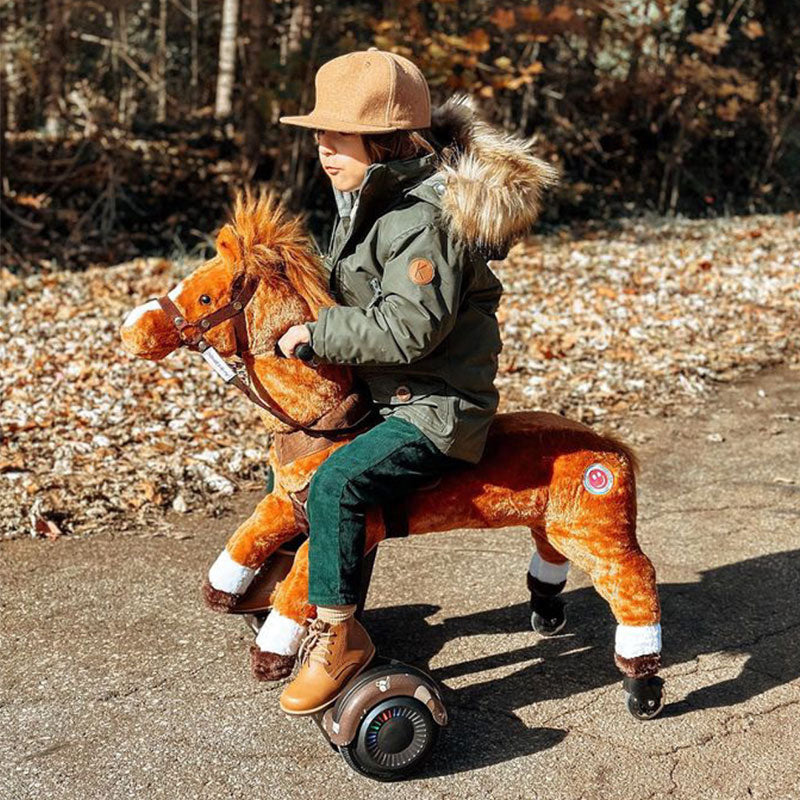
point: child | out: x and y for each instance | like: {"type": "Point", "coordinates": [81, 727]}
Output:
{"type": "Point", "coordinates": [416, 320]}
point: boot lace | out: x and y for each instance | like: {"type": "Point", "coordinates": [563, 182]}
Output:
{"type": "Point", "coordinates": [317, 644]}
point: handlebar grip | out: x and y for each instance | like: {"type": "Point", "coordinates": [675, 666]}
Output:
{"type": "Point", "coordinates": [304, 352]}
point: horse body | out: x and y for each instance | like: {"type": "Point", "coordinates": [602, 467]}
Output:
{"type": "Point", "coordinates": [573, 488]}
{"type": "Point", "coordinates": [532, 475]}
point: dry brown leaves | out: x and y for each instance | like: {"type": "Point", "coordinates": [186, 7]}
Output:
{"type": "Point", "coordinates": [646, 319]}
{"type": "Point", "coordinates": [649, 319]}
{"type": "Point", "coordinates": [94, 439]}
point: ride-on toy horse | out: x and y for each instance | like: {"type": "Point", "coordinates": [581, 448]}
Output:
{"type": "Point", "coordinates": [571, 487]}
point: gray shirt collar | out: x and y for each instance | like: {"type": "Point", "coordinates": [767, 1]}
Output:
{"type": "Point", "coordinates": [347, 202]}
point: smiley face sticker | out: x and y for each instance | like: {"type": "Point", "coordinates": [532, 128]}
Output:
{"type": "Point", "coordinates": [597, 479]}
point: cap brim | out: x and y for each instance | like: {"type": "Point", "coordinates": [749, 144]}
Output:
{"type": "Point", "coordinates": [330, 124]}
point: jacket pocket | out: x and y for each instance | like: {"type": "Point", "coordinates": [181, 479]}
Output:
{"type": "Point", "coordinates": [427, 398]}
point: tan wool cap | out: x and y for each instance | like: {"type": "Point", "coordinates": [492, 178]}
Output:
{"type": "Point", "coordinates": [370, 91]}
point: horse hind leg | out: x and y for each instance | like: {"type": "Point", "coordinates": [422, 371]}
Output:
{"type": "Point", "coordinates": [629, 583]}
{"type": "Point", "coordinates": [624, 576]}
{"type": "Point", "coordinates": [547, 576]}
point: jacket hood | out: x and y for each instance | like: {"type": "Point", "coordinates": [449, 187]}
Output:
{"type": "Point", "coordinates": [493, 182]}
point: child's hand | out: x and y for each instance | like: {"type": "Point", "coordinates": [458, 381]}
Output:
{"type": "Point", "coordinates": [296, 335]}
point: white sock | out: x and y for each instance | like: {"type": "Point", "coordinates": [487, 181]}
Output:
{"type": "Point", "coordinates": [638, 640]}
{"type": "Point", "coordinates": [546, 572]}
{"type": "Point", "coordinates": [334, 615]}
{"type": "Point", "coordinates": [280, 635]}
{"type": "Point", "coordinates": [226, 575]}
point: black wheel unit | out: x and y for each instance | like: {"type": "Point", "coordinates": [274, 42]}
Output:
{"type": "Point", "coordinates": [393, 741]}
{"type": "Point", "coordinates": [644, 696]}
{"type": "Point", "coordinates": [386, 722]}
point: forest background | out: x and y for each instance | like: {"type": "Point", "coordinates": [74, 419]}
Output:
{"type": "Point", "coordinates": [128, 124]}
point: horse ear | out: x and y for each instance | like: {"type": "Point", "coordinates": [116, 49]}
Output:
{"type": "Point", "coordinates": [228, 246]}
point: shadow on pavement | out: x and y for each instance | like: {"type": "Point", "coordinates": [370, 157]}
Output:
{"type": "Point", "coordinates": [744, 608]}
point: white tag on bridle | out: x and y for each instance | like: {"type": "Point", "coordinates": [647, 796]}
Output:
{"type": "Point", "coordinates": [214, 360]}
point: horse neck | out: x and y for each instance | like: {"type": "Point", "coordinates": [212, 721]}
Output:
{"type": "Point", "coordinates": [302, 392]}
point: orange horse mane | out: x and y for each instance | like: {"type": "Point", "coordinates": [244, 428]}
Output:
{"type": "Point", "coordinates": [276, 247]}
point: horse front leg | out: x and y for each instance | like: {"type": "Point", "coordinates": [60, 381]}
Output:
{"type": "Point", "coordinates": [274, 653]}
{"type": "Point", "coordinates": [270, 525]}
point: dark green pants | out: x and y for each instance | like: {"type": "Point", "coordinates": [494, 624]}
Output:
{"type": "Point", "coordinates": [383, 464]}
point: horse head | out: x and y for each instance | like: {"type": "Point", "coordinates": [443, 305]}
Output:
{"type": "Point", "coordinates": [265, 270]}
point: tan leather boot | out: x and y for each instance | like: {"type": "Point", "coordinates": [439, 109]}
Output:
{"type": "Point", "coordinates": [329, 656]}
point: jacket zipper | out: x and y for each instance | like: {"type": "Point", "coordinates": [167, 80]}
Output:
{"type": "Point", "coordinates": [377, 293]}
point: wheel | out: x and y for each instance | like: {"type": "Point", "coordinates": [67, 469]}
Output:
{"type": "Point", "coordinates": [254, 621]}
{"type": "Point", "coordinates": [393, 740]}
{"type": "Point", "coordinates": [645, 697]}
{"type": "Point", "coordinates": [547, 616]}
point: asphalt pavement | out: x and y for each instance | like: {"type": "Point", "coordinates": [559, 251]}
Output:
{"type": "Point", "coordinates": [115, 682]}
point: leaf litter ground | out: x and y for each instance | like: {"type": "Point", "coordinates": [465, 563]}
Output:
{"type": "Point", "coordinates": [644, 316]}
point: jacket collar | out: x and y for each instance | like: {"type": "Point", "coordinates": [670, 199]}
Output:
{"type": "Point", "coordinates": [388, 178]}
{"type": "Point", "coordinates": [383, 184]}
{"type": "Point", "coordinates": [489, 185]}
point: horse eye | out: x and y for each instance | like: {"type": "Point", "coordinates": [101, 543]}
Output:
{"type": "Point", "coordinates": [205, 299]}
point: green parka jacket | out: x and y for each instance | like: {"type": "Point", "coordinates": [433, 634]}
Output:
{"type": "Point", "coordinates": [418, 299]}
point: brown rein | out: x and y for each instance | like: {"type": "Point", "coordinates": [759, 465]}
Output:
{"type": "Point", "coordinates": [192, 336]}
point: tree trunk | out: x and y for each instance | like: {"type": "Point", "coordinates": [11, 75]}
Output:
{"type": "Point", "coordinates": [195, 79]}
{"type": "Point", "coordinates": [125, 93]}
{"type": "Point", "coordinates": [8, 81]}
{"type": "Point", "coordinates": [56, 49]}
{"type": "Point", "coordinates": [254, 122]}
{"type": "Point", "coordinates": [161, 63]}
{"type": "Point", "coordinates": [299, 28]}
{"type": "Point", "coordinates": [4, 121]}
{"type": "Point", "coordinates": [227, 58]}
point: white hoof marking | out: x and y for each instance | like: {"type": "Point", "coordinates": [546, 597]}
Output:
{"type": "Point", "coordinates": [280, 635]}
{"type": "Point", "coordinates": [546, 572]}
{"type": "Point", "coordinates": [638, 640]}
{"type": "Point", "coordinates": [226, 575]}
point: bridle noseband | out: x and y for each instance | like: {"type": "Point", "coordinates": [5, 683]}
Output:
{"type": "Point", "coordinates": [192, 337]}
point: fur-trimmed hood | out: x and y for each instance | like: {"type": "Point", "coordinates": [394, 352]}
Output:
{"type": "Point", "coordinates": [493, 182]}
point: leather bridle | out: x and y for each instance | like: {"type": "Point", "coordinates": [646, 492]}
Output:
{"type": "Point", "coordinates": [192, 337]}
{"type": "Point", "coordinates": [192, 333]}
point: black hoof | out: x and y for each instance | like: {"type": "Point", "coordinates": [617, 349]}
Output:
{"type": "Point", "coordinates": [645, 696]}
{"type": "Point", "coordinates": [547, 615]}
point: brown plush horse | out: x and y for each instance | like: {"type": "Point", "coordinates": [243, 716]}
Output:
{"type": "Point", "coordinates": [573, 488]}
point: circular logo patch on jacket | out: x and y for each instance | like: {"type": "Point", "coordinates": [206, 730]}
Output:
{"type": "Point", "coordinates": [421, 271]}
{"type": "Point", "coordinates": [598, 479]}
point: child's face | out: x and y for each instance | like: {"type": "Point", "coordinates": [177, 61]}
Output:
{"type": "Point", "coordinates": [343, 157]}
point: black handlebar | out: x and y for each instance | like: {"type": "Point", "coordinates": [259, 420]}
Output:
{"type": "Point", "coordinates": [304, 352]}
